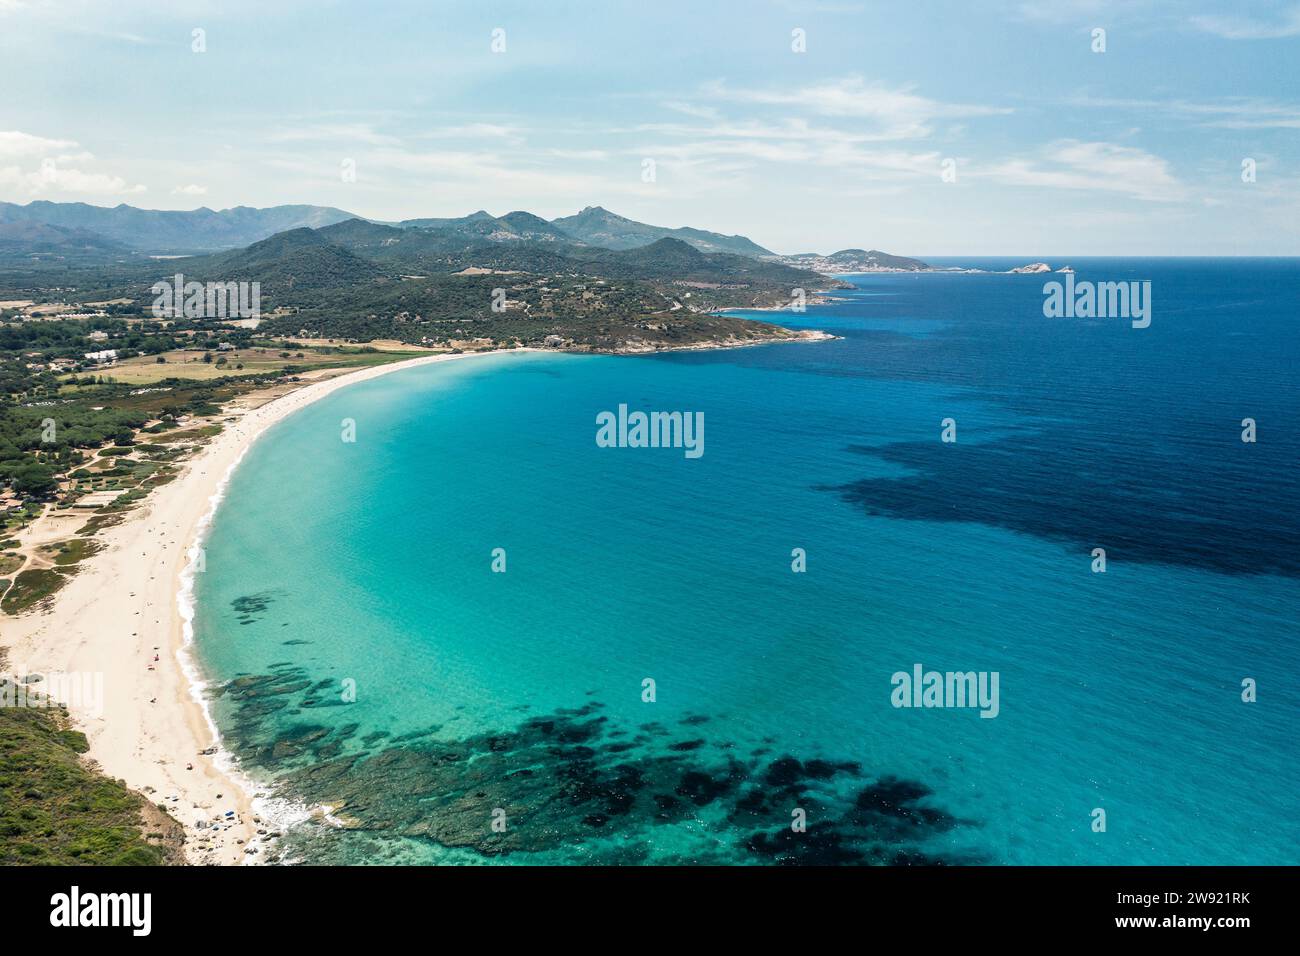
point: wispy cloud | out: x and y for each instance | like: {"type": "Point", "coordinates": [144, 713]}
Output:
{"type": "Point", "coordinates": [793, 142]}
{"type": "Point", "coordinates": [1230, 113]}
{"type": "Point", "coordinates": [847, 125]}
{"type": "Point", "coordinates": [820, 6]}
{"type": "Point", "coordinates": [1064, 11]}
{"type": "Point", "coordinates": [796, 129]}
{"type": "Point", "coordinates": [585, 155]}
{"type": "Point", "coordinates": [513, 178]}
{"type": "Point", "coordinates": [896, 113]}
{"type": "Point", "coordinates": [1100, 167]}
{"type": "Point", "coordinates": [342, 133]}
{"type": "Point", "coordinates": [125, 37]}
{"type": "Point", "coordinates": [1234, 27]}
{"type": "Point", "coordinates": [476, 130]}
{"type": "Point", "coordinates": [692, 109]}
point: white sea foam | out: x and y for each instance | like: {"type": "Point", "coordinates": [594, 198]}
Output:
{"type": "Point", "coordinates": [277, 813]}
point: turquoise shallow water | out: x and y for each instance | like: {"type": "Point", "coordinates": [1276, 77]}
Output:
{"type": "Point", "coordinates": [372, 657]}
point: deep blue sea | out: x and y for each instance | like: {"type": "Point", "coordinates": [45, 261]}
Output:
{"type": "Point", "coordinates": [370, 659]}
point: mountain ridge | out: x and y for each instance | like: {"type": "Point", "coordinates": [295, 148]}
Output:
{"type": "Point", "coordinates": [117, 232]}
{"type": "Point", "coordinates": [174, 231]}
{"type": "Point", "coordinates": [25, 238]}
{"type": "Point", "coordinates": [597, 226]}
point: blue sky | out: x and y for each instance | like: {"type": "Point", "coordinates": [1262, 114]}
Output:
{"type": "Point", "coordinates": [1057, 149]}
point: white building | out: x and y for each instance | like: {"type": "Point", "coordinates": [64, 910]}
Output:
{"type": "Point", "coordinates": [108, 355]}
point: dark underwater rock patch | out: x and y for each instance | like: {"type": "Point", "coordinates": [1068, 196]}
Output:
{"type": "Point", "coordinates": [573, 778]}
{"type": "Point", "coordinates": [252, 607]}
{"type": "Point", "coordinates": [687, 745]}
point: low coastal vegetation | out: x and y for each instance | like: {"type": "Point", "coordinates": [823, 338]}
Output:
{"type": "Point", "coordinates": [57, 810]}
{"type": "Point", "coordinates": [30, 588]}
{"type": "Point", "coordinates": [88, 441]}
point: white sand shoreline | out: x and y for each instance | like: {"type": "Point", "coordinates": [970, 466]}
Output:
{"type": "Point", "coordinates": [154, 719]}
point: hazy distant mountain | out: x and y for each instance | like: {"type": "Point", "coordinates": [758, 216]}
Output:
{"type": "Point", "coordinates": [37, 240]}
{"type": "Point", "coordinates": [600, 227]}
{"type": "Point", "coordinates": [91, 232]}
{"type": "Point", "coordinates": [593, 226]}
{"type": "Point", "coordinates": [535, 227]}
{"type": "Point", "coordinates": [472, 222]}
{"type": "Point", "coordinates": [173, 232]}
{"type": "Point", "coordinates": [512, 227]}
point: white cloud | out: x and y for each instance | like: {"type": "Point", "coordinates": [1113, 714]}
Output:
{"type": "Point", "coordinates": [897, 113]}
{"type": "Point", "coordinates": [476, 130]}
{"type": "Point", "coordinates": [511, 179]}
{"type": "Point", "coordinates": [16, 144]}
{"type": "Point", "coordinates": [1250, 28]}
{"type": "Point", "coordinates": [192, 189]}
{"type": "Point", "coordinates": [691, 109]}
{"type": "Point", "coordinates": [585, 155]}
{"type": "Point", "coordinates": [344, 134]}
{"type": "Point", "coordinates": [52, 173]}
{"type": "Point", "coordinates": [51, 179]}
{"type": "Point", "coordinates": [819, 6]}
{"type": "Point", "coordinates": [796, 129]}
{"type": "Point", "coordinates": [822, 151]}
{"type": "Point", "coordinates": [1231, 113]}
{"type": "Point", "coordinates": [1063, 11]}
{"type": "Point", "coordinates": [1106, 167]}
{"type": "Point", "coordinates": [726, 147]}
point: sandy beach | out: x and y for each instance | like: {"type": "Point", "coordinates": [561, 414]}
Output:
{"type": "Point", "coordinates": [121, 617]}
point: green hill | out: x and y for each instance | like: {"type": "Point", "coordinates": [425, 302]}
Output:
{"type": "Point", "coordinates": [297, 260]}
{"type": "Point", "coordinates": [54, 810]}
{"type": "Point", "coordinates": [600, 227]}
{"type": "Point", "coordinates": [677, 259]}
